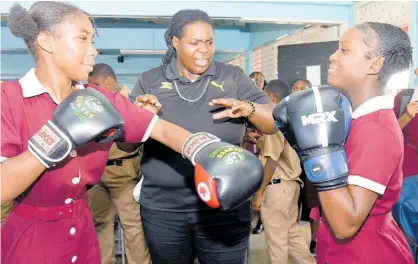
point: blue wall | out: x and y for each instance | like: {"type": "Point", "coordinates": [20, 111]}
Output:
{"type": "Point", "coordinates": [230, 39]}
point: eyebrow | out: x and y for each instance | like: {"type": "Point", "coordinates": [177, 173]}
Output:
{"type": "Point", "coordinates": [202, 40]}
{"type": "Point", "coordinates": [85, 31]}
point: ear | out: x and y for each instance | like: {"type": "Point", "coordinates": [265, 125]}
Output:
{"type": "Point", "coordinates": [175, 42]}
{"type": "Point", "coordinates": [45, 42]}
{"type": "Point", "coordinates": [376, 66]}
{"type": "Point", "coordinates": [108, 81]}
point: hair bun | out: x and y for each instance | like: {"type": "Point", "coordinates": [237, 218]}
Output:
{"type": "Point", "coordinates": [20, 23]}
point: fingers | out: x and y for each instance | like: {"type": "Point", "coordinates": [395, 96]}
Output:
{"type": "Point", "coordinates": [226, 114]}
{"type": "Point", "coordinates": [148, 99]}
{"type": "Point", "coordinates": [223, 101]}
{"type": "Point", "coordinates": [220, 115]}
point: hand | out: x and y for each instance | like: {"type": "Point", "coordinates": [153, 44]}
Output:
{"type": "Point", "coordinates": [412, 109]}
{"type": "Point", "coordinates": [234, 108]}
{"type": "Point", "coordinates": [257, 200]}
{"type": "Point", "coordinates": [149, 102]}
{"type": "Point", "coordinates": [253, 136]}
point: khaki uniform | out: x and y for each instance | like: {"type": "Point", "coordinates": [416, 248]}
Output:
{"type": "Point", "coordinates": [112, 196]}
{"type": "Point", "coordinates": [279, 210]}
{"type": "Point", "coordinates": [5, 210]}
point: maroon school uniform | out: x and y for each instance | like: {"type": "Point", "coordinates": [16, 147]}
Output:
{"type": "Point", "coordinates": [410, 134]}
{"type": "Point", "coordinates": [374, 154]}
{"type": "Point", "coordinates": [51, 223]}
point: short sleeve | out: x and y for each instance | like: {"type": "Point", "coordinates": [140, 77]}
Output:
{"type": "Point", "coordinates": [396, 104]}
{"type": "Point", "coordinates": [273, 146]}
{"type": "Point", "coordinates": [139, 89]}
{"type": "Point", "coordinates": [138, 122]}
{"type": "Point", "coordinates": [247, 90]}
{"type": "Point", "coordinates": [373, 157]}
{"type": "Point", "coordinates": [10, 140]}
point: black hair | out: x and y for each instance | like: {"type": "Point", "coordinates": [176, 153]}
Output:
{"type": "Point", "coordinates": [42, 16]}
{"type": "Point", "coordinates": [176, 27]}
{"type": "Point", "coordinates": [305, 81]}
{"type": "Point", "coordinates": [390, 42]}
{"type": "Point", "coordinates": [278, 88]}
{"type": "Point", "coordinates": [253, 74]}
{"type": "Point", "coordinates": [103, 70]}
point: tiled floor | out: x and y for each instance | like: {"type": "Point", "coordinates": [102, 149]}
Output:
{"type": "Point", "coordinates": [258, 247]}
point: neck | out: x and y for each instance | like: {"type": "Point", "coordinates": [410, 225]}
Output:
{"type": "Point", "coordinates": [55, 82]}
{"type": "Point", "coordinates": [364, 93]}
{"type": "Point", "coordinates": [185, 73]}
{"type": "Point", "coordinates": [117, 88]}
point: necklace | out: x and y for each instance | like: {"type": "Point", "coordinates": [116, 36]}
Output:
{"type": "Point", "coordinates": [192, 100]}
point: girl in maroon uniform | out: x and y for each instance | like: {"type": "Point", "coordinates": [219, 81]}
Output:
{"type": "Point", "coordinates": [357, 226]}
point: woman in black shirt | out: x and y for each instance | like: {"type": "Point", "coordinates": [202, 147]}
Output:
{"type": "Point", "coordinates": [186, 90]}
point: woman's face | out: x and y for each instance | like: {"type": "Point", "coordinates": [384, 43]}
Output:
{"type": "Point", "coordinates": [72, 47]}
{"type": "Point", "coordinates": [349, 66]}
{"type": "Point", "coordinates": [196, 47]}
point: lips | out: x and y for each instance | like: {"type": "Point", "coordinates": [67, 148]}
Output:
{"type": "Point", "coordinates": [89, 67]}
{"type": "Point", "coordinates": [202, 62]}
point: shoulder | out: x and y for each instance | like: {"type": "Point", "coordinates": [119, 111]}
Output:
{"type": "Point", "coordinates": [11, 87]}
{"type": "Point", "coordinates": [11, 90]}
{"type": "Point", "coordinates": [154, 74]}
{"type": "Point", "coordinates": [228, 69]}
{"type": "Point", "coordinates": [379, 131]}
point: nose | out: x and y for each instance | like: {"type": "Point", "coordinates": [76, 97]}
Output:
{"type": "Point", "coordinates": [204, 47]}
{"type": "Point", "coordinates": [92, 51]}
{"type": "Point", "coordinates": [333, 56]}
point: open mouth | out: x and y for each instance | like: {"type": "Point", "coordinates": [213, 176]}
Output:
{"type": "Point", "coordinates": [202, 62]}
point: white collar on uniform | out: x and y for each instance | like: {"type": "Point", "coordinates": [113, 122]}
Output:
{"type": "Point", "coordinates": [372, 105]}
{"type": "Point", "coordinates": [31, 86]}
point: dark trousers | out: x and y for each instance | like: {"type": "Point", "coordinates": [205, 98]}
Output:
{"type": "Point", "coordinates": [214, 237]}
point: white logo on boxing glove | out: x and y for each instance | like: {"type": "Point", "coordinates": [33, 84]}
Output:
{"type": "Point", "coordinates": [319, 118]}
{"type": "Point", "coordinates": [203, 191]}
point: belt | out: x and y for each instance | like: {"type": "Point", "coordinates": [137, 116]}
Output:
{"type": "Point", "coordinates": [73, 210]}
{"type": "Point", "coordinates": [119, 162]}
{"type": "Point", "coordinates": [275, 181]}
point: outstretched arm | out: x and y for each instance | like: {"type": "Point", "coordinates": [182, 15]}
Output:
{"type": "Point", "coordinates": [260, 115]}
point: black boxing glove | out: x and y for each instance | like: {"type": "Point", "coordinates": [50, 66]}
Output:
{"type": "Point", "coordinates": [84, 116]}
{"type": "Point", "coordinates": [319, 120]}
{"type": "Point", "coordinates": [225, 175]}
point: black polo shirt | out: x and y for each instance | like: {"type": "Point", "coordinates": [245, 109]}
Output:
{"type": "Point", "coordinates": [168, 178]}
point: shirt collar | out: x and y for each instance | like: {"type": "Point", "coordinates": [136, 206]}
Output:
{"type": "Point", "coordinates": [373, 105]}
{"type": "Point", "coordinates": [31, 86]}
{"type": "Point", "coordinates": [172, 73]}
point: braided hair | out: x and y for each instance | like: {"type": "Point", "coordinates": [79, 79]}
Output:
{"type": "Point", "coordinates": [43, 16]}
{"type": "Point", "coordinates": [390, 42]}
{"type": "Point", "coordinates": [177, 25]}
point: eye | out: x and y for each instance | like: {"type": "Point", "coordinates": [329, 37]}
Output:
{"type": "Point", "coordinates": [344, 50]}
{"type": "Point", "coordinates": [84, 38]}
{"type": "Point", "coordinates": [194, 43]}
{"type": "Point", "coordinates": [210, 42]}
